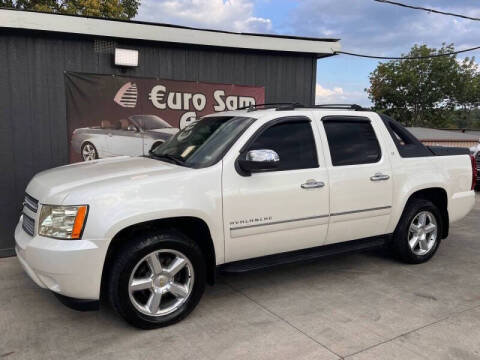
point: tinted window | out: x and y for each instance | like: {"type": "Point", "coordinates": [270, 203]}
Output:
{"type": "Point", "coordinates": [352, 142]}
{"type": "Point", "coordinates": [293, 142]}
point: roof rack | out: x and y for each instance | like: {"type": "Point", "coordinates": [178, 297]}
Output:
{"type": "Point", "coordinates": [340, 107]}
{"type": "Point", "coordinates": [293, 106]}
{"type": "Point", "coordinates": [276, 106]}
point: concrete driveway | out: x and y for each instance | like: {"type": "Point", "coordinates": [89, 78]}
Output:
{"type": "Point", "coordinates": [360, 306]}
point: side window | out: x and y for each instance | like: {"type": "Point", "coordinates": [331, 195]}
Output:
{"type": "Point", "coordinates": [294, 143]}
{"type": "Point", "coordinates": [352, 142]}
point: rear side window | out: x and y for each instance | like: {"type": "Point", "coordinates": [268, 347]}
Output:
{"type": "Point", "coordinates": [294, 143]}
{"type": "Point", "coordinates": [351, 142]}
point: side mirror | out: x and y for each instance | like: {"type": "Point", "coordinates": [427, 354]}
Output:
{"type": "Point", "coordinates": [131, 128]}
{"type": "Point", "coordinates": [259, 160]}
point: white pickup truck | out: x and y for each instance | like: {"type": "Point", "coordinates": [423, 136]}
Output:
{"type": "Point", "coordinates": [237, 191]}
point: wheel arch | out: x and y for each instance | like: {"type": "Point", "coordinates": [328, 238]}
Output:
{"type": "Point", "coordinates": [439, 197]}
{"type": "Point", "coordinates": [194, 227]}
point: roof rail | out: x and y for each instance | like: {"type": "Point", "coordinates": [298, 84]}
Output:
{"type": "Point", "coordinates": [354, 107]}
{"type": "Point", "coordinates": [277, 106]}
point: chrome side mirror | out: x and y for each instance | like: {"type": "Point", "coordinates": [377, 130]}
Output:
{"type": "Point", "coordinates": [259, 160]}
{"type": "Point", "coordinates": [131, 128]}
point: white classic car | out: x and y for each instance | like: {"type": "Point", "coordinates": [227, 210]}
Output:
{"type": "Point", "coordinates": [133, 136]}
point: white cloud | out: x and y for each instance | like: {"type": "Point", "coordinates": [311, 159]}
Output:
{"type": "Point", "coordinates": [337, 95]}
{"type": "Point", "coordinates": [322, 92]}
{"type": "Point", "coordinates": [232, 15]}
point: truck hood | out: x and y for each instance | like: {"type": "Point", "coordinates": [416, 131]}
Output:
{"type": "Point", "coordinates": [52, 186]}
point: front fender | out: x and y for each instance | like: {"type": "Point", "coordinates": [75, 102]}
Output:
{"type": "Point", "coordinates": [143, 198]}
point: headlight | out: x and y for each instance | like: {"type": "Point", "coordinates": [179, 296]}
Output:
{"type": "Point", "coordinates": [62, 222]}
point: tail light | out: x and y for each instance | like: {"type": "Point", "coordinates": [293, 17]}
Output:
{"type": "Point", "coordinates": [474, 171]}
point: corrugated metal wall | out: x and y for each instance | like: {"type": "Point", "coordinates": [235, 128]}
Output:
{"type": "Point", "coordinates": [33, 129]}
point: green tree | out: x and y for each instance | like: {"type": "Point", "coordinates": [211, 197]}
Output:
{"type": "Point", "coordinates": [417, 91]}
{"type": "Point", "coordinates": [466, 92]}
{"type": "Point", "coordinates": [116, 9]}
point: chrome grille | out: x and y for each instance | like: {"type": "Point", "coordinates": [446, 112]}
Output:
{"type": "Point", "coordinates": [28, 225]}
{"type": "Point", "coordinates": [31, 203]}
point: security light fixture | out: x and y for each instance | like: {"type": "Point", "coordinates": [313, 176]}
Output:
{"type": "Point", "coordinates": [126, 57]}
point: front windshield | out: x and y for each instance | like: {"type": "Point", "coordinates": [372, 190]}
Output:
{"type": "Point", "coordinates": [203, 142]}
{"type": "Point", "coordinates": [149, 122]}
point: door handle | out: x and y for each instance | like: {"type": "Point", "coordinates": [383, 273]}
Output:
{"type": "Point", "coordinates": [379, 177]}
{"type": "Point", "coordinates": [312, 184]}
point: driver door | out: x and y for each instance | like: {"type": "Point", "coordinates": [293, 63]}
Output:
{"type": "Point", "coordinates": [282, 209]}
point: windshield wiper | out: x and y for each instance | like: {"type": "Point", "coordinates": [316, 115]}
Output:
{"type": "Point", "coordinates": [173, 158]}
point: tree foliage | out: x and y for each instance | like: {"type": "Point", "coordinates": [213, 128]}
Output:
{"type": "Point", "coordinates": [116, 9]}
{"type": "Point", "coordinates": [426, 92]}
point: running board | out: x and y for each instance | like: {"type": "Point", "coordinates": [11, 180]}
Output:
{"type": "Point", "coordinates": [303, 255]}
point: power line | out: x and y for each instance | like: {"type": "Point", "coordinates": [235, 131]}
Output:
{"type": "Point", "coordinates": [405, 57]}
{"type": "Point", "coordinates": [428, 10]}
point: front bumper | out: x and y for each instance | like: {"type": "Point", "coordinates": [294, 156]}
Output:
{"type": "Point", "coordinates": [70, 268]}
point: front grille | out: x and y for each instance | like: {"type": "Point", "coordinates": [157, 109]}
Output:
{"type": "Point", "coordinates": [28, 225]}
{"type": "Point", "coordinates": [31, 203]}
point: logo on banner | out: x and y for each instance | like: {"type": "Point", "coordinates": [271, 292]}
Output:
{"type": "Point", "coordinates": [127, 95]}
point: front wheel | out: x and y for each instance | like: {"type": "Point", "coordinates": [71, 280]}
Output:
{"type": "Point", "coordinates": [157, 279]}
{"type": "Point", "coordinates": [418, 233]}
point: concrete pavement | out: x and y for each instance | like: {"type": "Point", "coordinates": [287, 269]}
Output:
{"type": "Point", "coordinates": [358, 306]}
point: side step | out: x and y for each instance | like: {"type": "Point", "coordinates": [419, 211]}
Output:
{"type": "Point", "coordinates": [303, 255]}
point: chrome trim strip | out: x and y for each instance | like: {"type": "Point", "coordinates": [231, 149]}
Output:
{"type": "Point", "coordinates": [359, 211]}
{"type": "Point", "coordinates": [279, 222]}
{"type": "Point", "coordinates": [310, 218]}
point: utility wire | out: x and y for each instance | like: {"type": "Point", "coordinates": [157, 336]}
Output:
{"type": "Point", "coordinates": [428, 10]}
{"type": "Point", "coordinates": [406, 57]}
{"type": "Point", "coordinates": [414, 57]}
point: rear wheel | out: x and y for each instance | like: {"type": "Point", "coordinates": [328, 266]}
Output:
{"type": "Point", "coordinates": [156, 144]}
{"type": "Point", "coordinates": [157, 279]}
{"type": "Point", "coordinates": [418, 234]}
{"type": "Point", "coordinates": [89, 151]}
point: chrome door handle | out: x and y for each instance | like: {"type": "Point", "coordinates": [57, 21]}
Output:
{"type": "Point", "coordinates": [312, 184]}
{"type": "Point", "coordinates": [379, 177]}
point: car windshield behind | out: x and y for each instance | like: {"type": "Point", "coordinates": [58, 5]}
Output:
{"type": "Point", "coordinates": [149, 122]}
{"type": "Point", "coordinates": [203, 142]}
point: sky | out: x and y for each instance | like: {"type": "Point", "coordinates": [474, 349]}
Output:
{"type": "Point", "coordinates": [363, 26]}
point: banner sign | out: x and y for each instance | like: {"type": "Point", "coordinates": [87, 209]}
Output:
{"type": "Point", "coordinates": [111, 115]}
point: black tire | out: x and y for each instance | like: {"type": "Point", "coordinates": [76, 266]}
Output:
{"type": "Point", "coordinates": [134, 251]}
{"type": "Point", "coordinates": [399, 244]}
{"type": "Point", "coordinates": [95, 152]}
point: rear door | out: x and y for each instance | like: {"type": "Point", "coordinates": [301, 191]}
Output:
{"type": "Point", "coordinates": [360, 176]}
{"type": "Point", "coordinates": [279, 210]}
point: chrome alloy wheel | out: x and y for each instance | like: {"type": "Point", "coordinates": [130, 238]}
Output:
{"type": "Point", "coordinates": [423, 232]}
{"type": "Point", "coordinates": [161, 282]}
{"type": "Point", "coordinates": [88, 152]}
